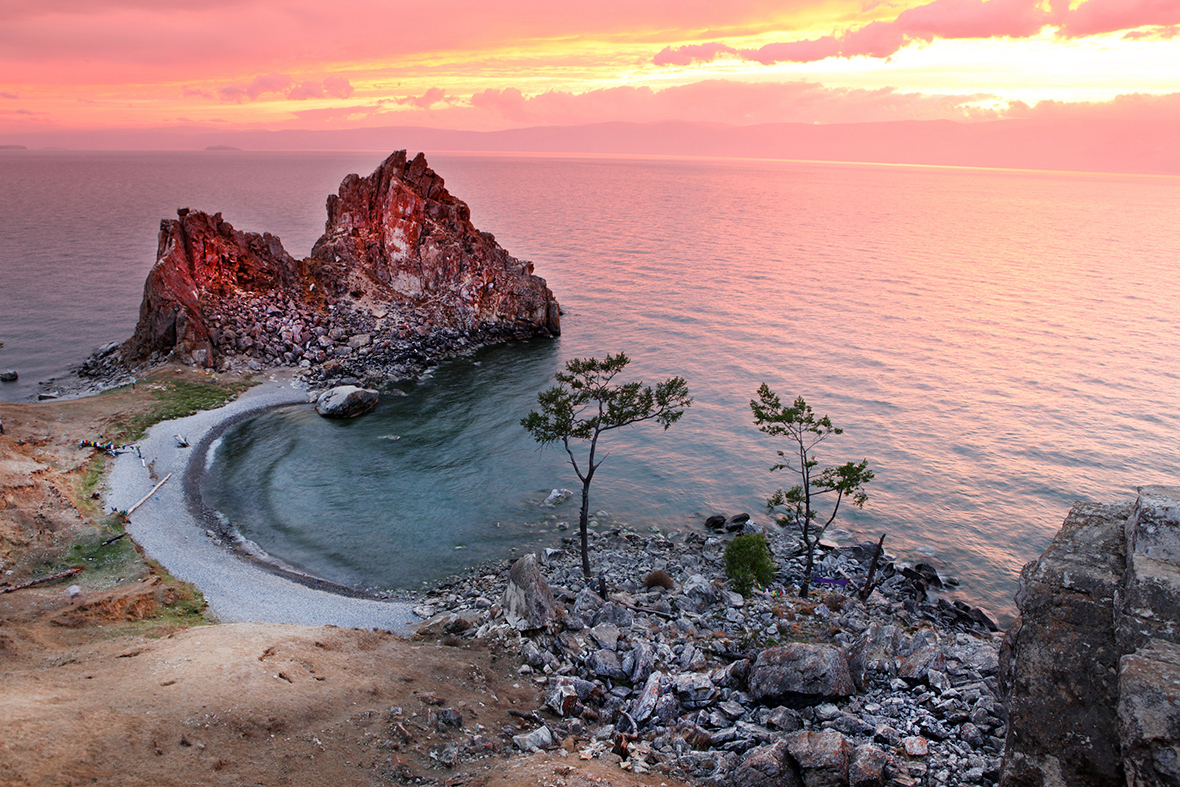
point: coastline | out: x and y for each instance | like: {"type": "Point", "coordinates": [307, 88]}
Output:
{"type": "Point", "coordinates": [238, 589]}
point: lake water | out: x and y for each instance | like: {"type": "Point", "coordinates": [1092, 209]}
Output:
{"type": "Point", "coordinates": [996, 343]}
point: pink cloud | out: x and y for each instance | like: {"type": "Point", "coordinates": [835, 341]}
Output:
{"type": "Point", "coordinates": [191, 92]}
{"type": "Point", "coordinates": [428, 99]}
{"type": "Point", "coordinates": [954, 19]}
{"type": "Point", "coordinates": [508, 103]}
{"type": "Point", "coordinates": [876, 39]}
{"type": "Point", "coordinates": [306, 90]}
{"type": "Point", "coordinates": [267, 83]}
{"type": "Point", "coordinates": [973, 19]}
{"type": "Point", "coordinates": [48, 40]}
{"type": "Point", "coordinates": [685, 55]}
{"type": "Point", "coordinates": [739, 103]}
{"type": "Point", "coordinates": [794, 51]}
{"type": "Point", "coordinates": [338, 87]}
{"type": "Point", "coordinates": [334, 87]}
{"type": "Point", "coordinates": [1107, 16]}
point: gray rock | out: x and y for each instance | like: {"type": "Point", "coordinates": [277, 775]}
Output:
{"type": "Point", "coordinates": [556, 497]}
{"type": "Point", "coordinates": [1059, 660]}
{"type": "Point", "coordinates": [1150, 592]}
{"type": "Point", "coordinates": [606, 635]}
{"type": "Point", "coordinates": [1149, 714]}
{"type": "Point", "coordinates": [875, 653]}
{"type": "Point", "coordinates": [785, 719]}
{"type": "Point", "coordinates": [866, 767]}
{"type": "Point", "coordinates": [617, 614]}
{"type": "Point", "coordinates": [701, 591]}
{"type": "Point", "coordinates": [346, 401]}
{"type": "Point", "coordinates": [562, 698]}
{"type": "Point", "coordinates": [531, 741]}
{"type": "Point", "coordinates": [528, 601]}
{"type": "Point", "coordinates": [694, 690]}
{"type": "Point", "coordinates": [644, 658]}
{"type": "Point", "coordinates": [645, 704]}
{"type": "Point", "coordinates": [918, 665]}
{"type": "Point", "coordinates": [605, 664]}
{"type": "Point", "coordinates": [586, 603]}
{"type": "Point", "coordinates": [766, 766]}
{"type": "Point", "coordinates": [800, 674]}
{"type": "Point", "coordinates": [822, 757]}
{"type": "Point", "coordinates": [848, 724]}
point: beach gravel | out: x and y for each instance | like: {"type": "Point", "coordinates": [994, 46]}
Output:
{"type": "Point", "coordinates": [235, 586]}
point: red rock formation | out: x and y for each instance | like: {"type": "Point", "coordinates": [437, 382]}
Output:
{"type": "Point", "coordinates": [201, 260]}
{"type": "Point", "coordinates": [399, 258]}
{"type": "Point", "coordinates": [404, 232]}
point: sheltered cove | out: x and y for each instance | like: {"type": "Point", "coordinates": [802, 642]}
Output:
{"type": "Point", "coordinates": [583, 649]}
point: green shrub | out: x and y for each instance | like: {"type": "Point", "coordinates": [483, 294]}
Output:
{"type": "Point", "coordinates": [748, 563]}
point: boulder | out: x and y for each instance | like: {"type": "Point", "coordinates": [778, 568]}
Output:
{"type": "Point", "coordinates": [694, 689]}
{"type": "Point", "coordinates": [605, 664]}
{"type": "Point", "coordinates": [822, 757]}
{"type": "Point", "coordinates": [1059, 662]}
{"type": "Point", "coordinates": [800, 674]}
{"type": "Point", "coordinates": [613, 613]}
{"type": "Point", "coordinates": [528, 601]}
{"type": "Point", "coordinates": [701, 591]}
{"type": "Point", "coordinates": [346, 401]}
{"type": "Point", "coordinates": [8, 376]}
{"type": "Point", "coordinates": [875, 652]}
{"type": "Point", "coordinates": [866, 767]}
{"type": "Point", "coordinates": [1091, 665]}
{"type": "Point", "coordinates": [766, 766]}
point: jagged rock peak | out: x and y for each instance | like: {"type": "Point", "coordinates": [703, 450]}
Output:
{"type": "Point", "coordinates": [405, 232]}
{"type": "Point", "coordinates": [399, 261]}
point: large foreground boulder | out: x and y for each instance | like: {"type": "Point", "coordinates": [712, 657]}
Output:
{"type": "Point", "coordinates": [800, 674]}
{"type": "Point", "coordinates": [1091, 667]}
{"type": "Point", "coordinates": [346, 401]}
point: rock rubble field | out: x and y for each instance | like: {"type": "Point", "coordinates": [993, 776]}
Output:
{"type": "Point", "coordinates": [674, 672]}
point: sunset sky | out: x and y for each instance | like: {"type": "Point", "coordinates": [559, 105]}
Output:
{"type": "Point", "coordinates": [497, 64]}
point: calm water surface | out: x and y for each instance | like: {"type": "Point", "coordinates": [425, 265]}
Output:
{"type": "Point", "coordinates": [996, 343]}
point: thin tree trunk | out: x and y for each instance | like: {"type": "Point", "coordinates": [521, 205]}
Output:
{"type": "Point", "coordinates": [867, 590]}
{"type": "Point", "coordinates": [583, 523]}
{"type": "Point", "coordinates": [805, 588]}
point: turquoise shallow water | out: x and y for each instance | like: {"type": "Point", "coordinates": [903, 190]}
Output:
{"type": "Point", "coordinates": [997, 344]}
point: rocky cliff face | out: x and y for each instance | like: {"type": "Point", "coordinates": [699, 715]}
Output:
{"type": "Point", "coordinates": [399, 278]}
{"type": "Point", "coordinates": [1092, 665]}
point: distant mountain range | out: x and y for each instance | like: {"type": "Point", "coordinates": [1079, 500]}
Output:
{"type": "Point", "coordinates": [1105, 146]}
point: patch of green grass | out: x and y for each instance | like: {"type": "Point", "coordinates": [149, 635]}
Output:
{"type": "Point", "coordinates": [177, 399]}
{"type": "Point", "coordinates": [86, 499]}
{"type": "Point", "coordinates": [105, 562]}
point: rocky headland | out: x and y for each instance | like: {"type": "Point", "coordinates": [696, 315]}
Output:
{"type": "Point", "coordinates": [674, 672]}
{"type": "Point", "coordinates": [400, 279]}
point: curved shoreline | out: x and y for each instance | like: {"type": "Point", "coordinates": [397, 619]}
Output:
{"type": "Point", "coordinates": [238, 587]}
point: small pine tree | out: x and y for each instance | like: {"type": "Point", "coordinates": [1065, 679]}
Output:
{"type": "Point", "coordinates": [748, 563]}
